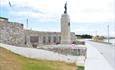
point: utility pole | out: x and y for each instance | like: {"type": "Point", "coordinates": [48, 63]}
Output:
{"type": "Point", "coordinates": [27, 19]}
{"type": "Point", "coordinates": [108, 33]}
{"type": "Point", "coordinates": [27, 23]}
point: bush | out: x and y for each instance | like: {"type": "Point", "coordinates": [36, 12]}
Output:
{"type": "Point", "coordinates": [98, 38]}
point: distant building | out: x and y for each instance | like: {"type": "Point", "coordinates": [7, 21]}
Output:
{"type": "Point", "coordinates": [13, 33]}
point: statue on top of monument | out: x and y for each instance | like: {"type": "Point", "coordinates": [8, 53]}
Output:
{"type": "Point", "coordinates": [65, 12]}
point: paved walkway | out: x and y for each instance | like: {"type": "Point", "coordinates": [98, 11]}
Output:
{"type": "Point", "coordinates": [108, 51]}
{"type": "Point", "coordinates": [95, 60]}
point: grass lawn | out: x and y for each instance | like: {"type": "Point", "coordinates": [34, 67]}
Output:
{"type": "Point", "coordinates": [80, 68]}
{"type": "Point", "coordinates": [12, 61]}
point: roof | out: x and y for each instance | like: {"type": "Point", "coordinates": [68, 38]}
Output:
{"type": "Point", "coordinates": [3, 18]}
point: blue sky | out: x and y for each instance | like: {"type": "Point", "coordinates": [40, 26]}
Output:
{"type": "Point", "coordinates": [86, 16]}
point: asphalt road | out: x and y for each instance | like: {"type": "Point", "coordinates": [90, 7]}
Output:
{"type": "Point", "coordinates": [108, 51]}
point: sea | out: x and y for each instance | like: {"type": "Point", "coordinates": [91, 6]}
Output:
{"type": "Point", "coordinates": [112, 41]}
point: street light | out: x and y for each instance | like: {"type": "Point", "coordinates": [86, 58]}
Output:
{"type": "Point", "coordinates": [108, 33]}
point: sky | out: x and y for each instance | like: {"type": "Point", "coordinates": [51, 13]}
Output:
{"type": "Point", "coordinates": [86, 16]}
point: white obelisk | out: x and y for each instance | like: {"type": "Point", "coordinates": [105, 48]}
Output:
{"type": "Point", "coordinates": [65, 27]}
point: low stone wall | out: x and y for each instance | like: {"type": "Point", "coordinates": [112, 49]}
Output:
{"type": "Point", "coordinates": [41, 54]}
{"type": "Point", "coordinates": [69, 50]}
{"type": "Point", "coordinates": [77, 51]}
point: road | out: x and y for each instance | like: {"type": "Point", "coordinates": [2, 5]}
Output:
{"type": "Point", "coordinates": [108, 51]}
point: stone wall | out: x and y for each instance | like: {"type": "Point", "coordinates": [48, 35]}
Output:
{"type": "Point", "coordinates": [78, 51]}
{"type": "Point", "coordinates": [44, 38]}
{"type": "Point", "coordinates": [11, 33]}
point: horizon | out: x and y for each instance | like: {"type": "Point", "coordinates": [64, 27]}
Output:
{"type": "Point", "coordinates": [86, 16]}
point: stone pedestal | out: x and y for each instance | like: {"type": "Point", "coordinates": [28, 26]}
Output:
{"type": "Point", "coordinates": [65, 29]}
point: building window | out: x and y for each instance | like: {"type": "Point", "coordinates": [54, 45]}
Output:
{"type": "Point", "coordinates": [25, 40]}
{"type": "Point", "coordinates": [22, 25]}
{"type": "Point", "coordinates": [44, 40]}
{"type": "Point", "coordinates": [54, 40]}
{"type": "Point", "coordinates": [49, 39]}
{"type": "Point", "coordinates": [69, 24]}
{"type": "Point", "coordinates": [59, 39]}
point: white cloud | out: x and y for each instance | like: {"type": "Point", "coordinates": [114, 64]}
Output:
{"type": "Point", "coordinates": [92, 10]}
{"type": "Point", "coordinates": [79, 10]}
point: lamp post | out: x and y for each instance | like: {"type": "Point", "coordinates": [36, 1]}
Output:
{"type": "Point", "coordinates": [108, 33]}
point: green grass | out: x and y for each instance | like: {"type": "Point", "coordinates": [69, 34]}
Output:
{"type": "Point", "coordinates": [12, 61]}
{"type": "Point", "coordinates": [80, 68]}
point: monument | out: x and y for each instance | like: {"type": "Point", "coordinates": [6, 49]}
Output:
{"type": "Point", "coordinates": [65, 27]}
